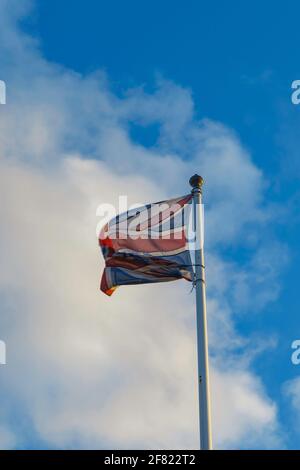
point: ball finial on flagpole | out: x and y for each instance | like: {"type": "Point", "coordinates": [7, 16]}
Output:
{"type": "Point", "coordinates": [196, 182]}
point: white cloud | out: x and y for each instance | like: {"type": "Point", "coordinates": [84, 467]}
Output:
{"type": "Point", "coordinates": [85, 370]}
{"type": "Point", "coordinates": [247, 407]}
{"type": "Point", "coordinates": [291, 392]}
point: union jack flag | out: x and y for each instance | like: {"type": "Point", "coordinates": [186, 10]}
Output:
{"type": "Point", "coordinates": [147, 244]}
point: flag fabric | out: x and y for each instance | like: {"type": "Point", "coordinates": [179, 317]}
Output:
{"type": "Point", "coordinates": [147, 244]}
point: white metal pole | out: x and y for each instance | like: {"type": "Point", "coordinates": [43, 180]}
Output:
{"type": "Point", "coordinates": [196, 182]}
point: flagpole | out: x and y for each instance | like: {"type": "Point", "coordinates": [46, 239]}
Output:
{"type": "Point", "coordinates": [196, 182]}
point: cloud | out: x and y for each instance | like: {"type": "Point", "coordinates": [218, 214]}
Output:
{"type": "Point", "coordinates": [85, 371]}
{"type": "Point", "coordinates": [248, 407]}
{"type": "Point", "coordinates": [291, 393]}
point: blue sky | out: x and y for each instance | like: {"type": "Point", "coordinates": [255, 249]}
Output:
{"type": "Point", "coordinates": [237, 62]}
